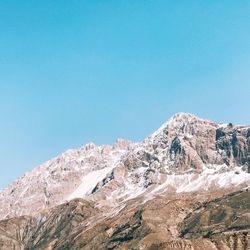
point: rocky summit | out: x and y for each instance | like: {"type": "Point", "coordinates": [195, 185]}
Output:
{"type": "Point", "coordinates": [183, 187]}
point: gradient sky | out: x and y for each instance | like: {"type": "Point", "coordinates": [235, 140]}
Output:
{"type": "Point", "coordinates": [72, 72]}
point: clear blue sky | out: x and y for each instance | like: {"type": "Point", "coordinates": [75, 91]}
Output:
{"type": "Point", "coordinates": [78, 71]}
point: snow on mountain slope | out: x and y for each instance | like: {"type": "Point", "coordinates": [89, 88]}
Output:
{"type": "Point", "coordinates": [88, 182]}
{"type": "Point", "coordinates": [185, 154]}
{"type": "Point", "coordinates": [52, 182]}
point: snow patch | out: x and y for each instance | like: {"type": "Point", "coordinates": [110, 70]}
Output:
{"type": "Point", "coordinates": [89, 182]}
{"type": "Point", "coordinates": [209, 178]}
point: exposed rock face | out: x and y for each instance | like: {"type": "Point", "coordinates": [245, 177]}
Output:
{"type": "Point", "coordinates": [234, 144]}
{"type": "Point", "coordinates": [171, 191]}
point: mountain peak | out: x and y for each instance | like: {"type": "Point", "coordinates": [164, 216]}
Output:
{"type": "Point", "coordinates": [180, 120]}
{"type": "Point", "coordinates": [184, 116]}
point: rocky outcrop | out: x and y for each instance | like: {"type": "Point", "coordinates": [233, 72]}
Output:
{"type": "Point", "coordinates": [233, 144]}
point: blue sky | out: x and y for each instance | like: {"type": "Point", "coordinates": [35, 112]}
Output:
{"type": "Point", "coordinates": [78, 71]}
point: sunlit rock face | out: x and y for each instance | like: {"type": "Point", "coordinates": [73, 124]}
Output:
{"type": "Point", "coordinates": [179, 188]}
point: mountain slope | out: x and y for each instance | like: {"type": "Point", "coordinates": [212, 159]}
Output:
{"type": "Point", "coordinates": [78, 225]}
{"type": "Point", "coordinates": [52, 183]}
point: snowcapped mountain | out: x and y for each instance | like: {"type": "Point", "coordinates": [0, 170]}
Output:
{"type": "Point", "coordinates": [186, 155]}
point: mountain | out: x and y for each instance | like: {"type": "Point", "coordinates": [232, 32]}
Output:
{"type": "Point", "coordinates": [183, 187]}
